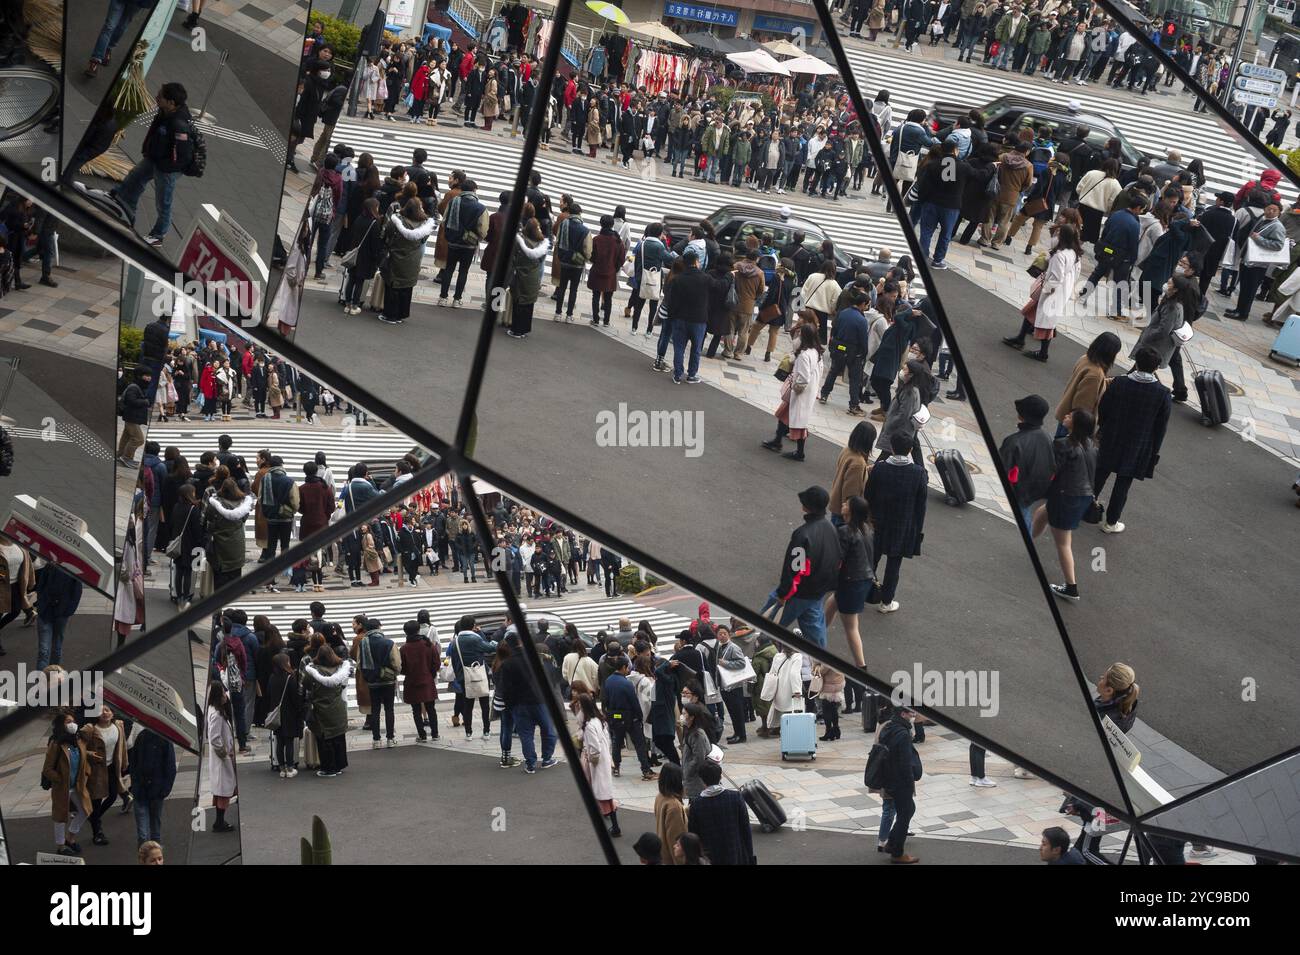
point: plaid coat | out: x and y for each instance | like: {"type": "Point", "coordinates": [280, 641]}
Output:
{"type": "Point", "coordinates": [1132, 418]}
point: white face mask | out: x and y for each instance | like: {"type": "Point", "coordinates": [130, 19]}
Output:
{"type": "Point", "coordinates": [70, 729]}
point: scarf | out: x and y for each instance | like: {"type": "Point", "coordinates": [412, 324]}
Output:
{"type": "Point", "coordinates": [902, 459]}
{"type": "Point", "coordinates": [1142, 376]}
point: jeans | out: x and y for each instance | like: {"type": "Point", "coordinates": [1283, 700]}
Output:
{"type": "Point", "coordinates": [677, 157]}
{"type": "Point", "coordinates": [382, 697]}
{"type": "Point", "coordinates": [904, 809]}
{"type": "Point", "coordinates": [946, 220]}
{"type": "Point", "coordinates": [456, 257]}
{"type": "Point", "coordinates": [808, 611]}
{"type": "Point", "coordinates": [711, 169]}
{"type": "Point", "coordinates": [116, 20]}
{"type": "Point", "coordinates": [164, 184]}
{"type": "Point", "coordinates": [528, 718]}
{"type": "Point", "coordinates": [1003, 55]}
{"type": "Point", "coordinates": [621, 727]}
{"type": "Point", "coordinates": [887, 813]}
{"type": "Point", "coordinates": [506, 721]}
{"type": "Point", "coordinates": [570, 279]}
{"type": "Point", "coordinates": [148, 819]}
{"type": "Point", "coordinates": [666, 326]}
{"type": "Point", "coordinates": [839, 361]}
{"type": "Point", "coordinates": [49, 640]}
{"type": "Point", "coordinates": [683, 333]}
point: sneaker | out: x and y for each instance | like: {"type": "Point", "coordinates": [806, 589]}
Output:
{"type": "Point", "coordinates": [693, 379]}
{"type": "Point", "coordinates": [324, 775]}
{"type": "Point", "coordinates": [530, 770]}
{"type": "Point", "coordinates": [1060, 591]}
{"type": "Point", "coordinates": [1023, 773]}
{"type": "Point", "coordinates": [649, 775]}
{"type": "Point", "coordinates": [1205, 852]}
{"type": "Point", "coordinates": [391, 743]}
{"type": "Point", "coordinates": [509, 762]}
{"type": "Point", "coordinates": [284, 774]}
{"type": "Point", "coordinates": [939, 265]}
{"type": "Point", "coordinates": [152, 240]}
{"type": "Point", "coordinates": [982, 783]}
{"type": "Point", "coordinates": [486, 733]}
{"type": "Point", "coordinates": [290, 773]}
{"type": "Point", "coordinates": [548, 763]}
{"type": "Point", "coordinates": [455, 303]}
{"type": "Point", "coordinates": [888, 608]}
{"type": "Point", "coordinates": [377, 744]}
{"type": "Point", "coordinates": [442, 302]}
{"type": "Point", "coordinates": [1116, 528]}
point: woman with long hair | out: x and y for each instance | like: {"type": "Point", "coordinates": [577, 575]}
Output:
{"type": "Point", "coordinates": [597, 757]}
{"type": "Point", "coordinates": [1088, 379]}
{"type": "Point", "coordinates": [799, 394]}
{"type": "Point", "coordinates": [531, 246]}
{"type": "Point", "coordinates": [856, 578]}
{"type": "Point", "coordinates": [220, 739]}
{"type": "Point", "coordinates": [916, 386]}
{"type": "Point", "coordinates": [404, 236]}
{"type": "Point", "coordinates": [284, 693]}
{"type": "Point", "coordinates": [670, 811]}
{"type": "Point", "coordinates": [1070, 494]}
{"type": "Point", "coordinates": [1049, 299]}
{"type": "Point", "coordinates": [852, 469]}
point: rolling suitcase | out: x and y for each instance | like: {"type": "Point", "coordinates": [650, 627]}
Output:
{"type": "Point", "coordinates": [957, 486]}
{"type": "Point", "coordinates": [1287, 343]}
{"type": "Point", "coordinates": [798, 735]}
{"type": "Point", "coordinates": [762, 802]}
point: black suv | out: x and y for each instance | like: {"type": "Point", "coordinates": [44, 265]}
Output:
{"type": "Point", "coordinates": [734, 223]}
{"type": "Point", "coordinates": [1004, 116]}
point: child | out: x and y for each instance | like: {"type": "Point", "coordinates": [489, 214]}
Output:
{"type": "Point", "coordinates": [327, 401]}
{"type": "Point", "coordinates": [317, 574]}
{"type": "Point", "coordinates": [936, 32]}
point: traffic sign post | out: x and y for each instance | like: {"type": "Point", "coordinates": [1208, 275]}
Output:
{"type": "Point", "coordinates": [221, 256]}
{"type": "Point", "coordinates": [59, 536]}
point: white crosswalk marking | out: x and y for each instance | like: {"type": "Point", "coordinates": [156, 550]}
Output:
{"type": "Point", "coordinates": [599, 186]}
{"type": "Point", "coordinates": [447, 606]}
{"type": "Point", "coordinates": [1152, 123]}
{"type": "Point", "coordinates": [296, 446]}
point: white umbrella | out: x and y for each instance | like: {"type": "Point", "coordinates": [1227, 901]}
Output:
{"type": "Point", "coordinates": [809, 65]}
{"type": "Point", "coordinates": [656, 31]}
{"type": "Point", "coordinates": [758, 61]}
{"type": "Point", "coordinates": [782, 47]}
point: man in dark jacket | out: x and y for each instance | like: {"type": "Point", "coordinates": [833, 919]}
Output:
{"type": "Point", "coordinates": [1219, 223]}
{"type": "Point", "coordinates": [134, 410]}
{"type": "Point", "coordinates": [809, 567]}
{"type": "Point", "coordinates": [719, 817]}
{"type": "Point", "coordinates": [896, 492]}
{"type": "Point", "coordinates": [152, 766]}
{"type": "Point", "coordinates": [515, 685]}
{"type": "Point", "coordinates": [622, 709]}
{"type": "Point", "coordinates": [331, 107]}
{"type": "Point", "coordinates": [687, 304]}
{"type": "Point", "coordinates": [279, 499]}
{"type": "Point", "coordinates": [168, 150]}
{"type": "Point", "coordinates": [1028, 457]}
{"type": "Point", "coordinates": [848, 349]}
{"type": "Point", "coordinates": [1117, 251]}
{"type": "Point", "coordinates": [901, 780]}
{"type": "Point", "coordinates": [57, 596]}
{"type": "Point", "coordinates": [1132, 418]}
{"type": "Point", "coordinates": [1055, 849]}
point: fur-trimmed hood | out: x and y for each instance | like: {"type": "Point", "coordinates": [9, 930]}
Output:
{"type": "Point", "coordinates": [417, 234]}
{"type": "Point", "coordinates": [237, 513]}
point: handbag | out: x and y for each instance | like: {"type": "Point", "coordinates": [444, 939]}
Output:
{"type": "Point", "coordinates": [1033, 207]}
{"type": "Point", "coordinates": [771, 681]}
{"type": "Point", "coordinates": [783, 368]}
{"type": "Point", "coordinates": [1256, 254]}
{"type": "Point", "coordinates": [905, 166]}
{"type": "Point", "coordinates": [921, 416]}
{"type": "Point", "coordinates": [1038, 266]}
{"type": "Point", "coordinates": [711, 694]}
{"type": "Point", "coordinates": [1183, 333]}
{"type": "Point", "coordinates": [1094, 513]}
{"type": "Point", "coordinates": [815, 685]}
{"type": "Point", "coordinates": [272, 721]}
{"type": "Point", "coordinates": [376, 301]}
{"type": "Point", "coordinates": [173, 550]}
{"type": "Point", "coordinates": [474, 683]}
{"type": "Point", "coordinates": [349, 261]}
{"type": "Point", "coordinates": [733, 678]}
{"type": "Point", "coordinates": [651, 285]}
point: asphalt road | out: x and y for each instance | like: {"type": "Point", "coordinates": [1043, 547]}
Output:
{"type": "Point", "coordinates": [432, 806]}
{"type": "Point", "coordinates": [1194, 591]}
{"type": "Point", "coordinates": [29, 835]}
{"type": "Point", "coordinates": [970, 602]}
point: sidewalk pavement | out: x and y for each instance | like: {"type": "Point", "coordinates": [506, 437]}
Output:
{"type": "Point", "coordinates": [79, 318]}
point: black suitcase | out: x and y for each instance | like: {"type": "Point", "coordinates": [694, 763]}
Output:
{"type": "Point", "coordinates": [1216, 406]}
{"type": "Point", "coordinates": [759, 798]}
{"type": "Point", "coordinates": [957, 484]}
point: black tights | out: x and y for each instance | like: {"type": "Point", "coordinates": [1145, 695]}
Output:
{"type": "Point", "coordinates": [782, 429]}
{"type": "Point", "coordinates": [1027, 328]}
{"type": "Point", "coordinates": [465, 707]}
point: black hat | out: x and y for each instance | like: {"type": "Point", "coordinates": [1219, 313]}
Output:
{"type": "Point", "coordinates": [1033, 408]}
{"type": "Point", "coordinates": [816, 498]}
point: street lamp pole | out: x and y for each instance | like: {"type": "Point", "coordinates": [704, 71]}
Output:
{"type": "Point", "coordinates": [1236, 50]}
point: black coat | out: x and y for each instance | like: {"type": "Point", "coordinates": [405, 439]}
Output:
{"type": "Point", "coordinates": [285, 686]}
{"type": "Point", "coordinates": [814, 546]}
{"type": "Point", "coordinates": [371, 240]}
{"type": "Point", "coordinates": [722, 823]}
{"type": "Point", "coordinates": [1028, 457]}
{"type": "Point", "coordinates": [1132, 417]}
{"type": "Point", "coordinates": [897, 495]}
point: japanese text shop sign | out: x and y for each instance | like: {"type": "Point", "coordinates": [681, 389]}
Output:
{"type": "Point", "coordinates": [713, 15]}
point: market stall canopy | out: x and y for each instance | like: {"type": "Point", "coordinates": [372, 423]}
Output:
{"type": "Point", "coordinates": [782, 47]}
{"type": "Point", "coordinates": [656, 31]}
{"type": "Point", "coordinates": [608, 11]}
{"type": "Point", "coordinates": [809, 65]}
{"type": "Point", "coordinates": [708, 42]}
{"type": "Point", "coordinates": [758, 61]}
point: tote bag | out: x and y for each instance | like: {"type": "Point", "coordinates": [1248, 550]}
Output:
{"type": "Point", "coordinates": [475, 679]}
{"type": "Point", "coordinates": [1256, 254]}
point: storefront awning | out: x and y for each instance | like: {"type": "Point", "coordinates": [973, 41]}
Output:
{"type": "Point", "coordinates": [758, 61]}
{"type": "Point", "coordinates": [809, 66]}
{"type": "Point", "coordinates": [782, 47]}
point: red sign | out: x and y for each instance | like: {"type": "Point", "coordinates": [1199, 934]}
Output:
{"type": "Point", "coordinates": [205, 261]}
{"type": "Point", "coordinates": [38, 543]}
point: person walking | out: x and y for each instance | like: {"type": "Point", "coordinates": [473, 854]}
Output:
{"type": "Point", "coordinates": [151, 764]}
{"type": "Point", "coordinates": [1050, 295]}
{"type": "Point", "coordinates": [903, 769]}
{"type": "Point", "coordinates": [1070, 496]}
{"type": "Point", "coordinates": [66, 775]}
{"type": "Point", "coordinates": [167, 152]}
{"type": "Point", "coordinates": [808, 568]}
{"type": "Point", "coordinates": [896, 493]}
{"type": "Point", "coordinates": [798, 394]}
{"type": "Point", "coordinates": [1133, 415]}
{"type": "Point", "coordinates": [1088, 379]}
{"type": "Point", "coordinates": [1028, 457]}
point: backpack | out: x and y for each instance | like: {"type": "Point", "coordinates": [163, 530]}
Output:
{"type": "Point", "coordinates": [234, 677]}
{"type": "Point", "coordinates": [733, 300]}
{"type": "Point", "coordinates": [1242, 233]}
{"type": "Point", "coordinates": [572, 249]}
{"type": "Point", "coordinates": [994, 185]}
{"type": "Point", "coordinates": [199, 158]}
{"type": "Point", "coordinates": [876, 774]}
{"type": "Point", "coordinates": [322, 211]}
{"type": "Point", "coordinates": [768, 264]}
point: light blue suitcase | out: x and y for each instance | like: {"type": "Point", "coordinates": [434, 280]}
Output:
{"type": "Point", "coordinates": [1287, 343]}
{"type": "Point", "coordinates": [798, 735]}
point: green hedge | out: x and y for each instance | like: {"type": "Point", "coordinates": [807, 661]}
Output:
{"type": "Point", "coordinates": [128, 344]}
{"type": "Point", "coordinates": [344, 37]}
{"type": "Point", "coordinates": [631, 581]}
{"type": "Point", "coordinates": [1292, 157]}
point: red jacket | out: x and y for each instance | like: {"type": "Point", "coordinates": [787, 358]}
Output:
{"type": "Point", "coordinates": [466, 65]}
{"type": "Point", "coordinates": [208, 382]}
{"type": "Point", "coordinates": [247, 363]}
{"type": "Point", "coordinates": [420, 81]}
{"type": "Point", "coordinates": [570, 92]}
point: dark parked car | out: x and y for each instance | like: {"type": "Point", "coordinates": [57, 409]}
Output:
{"type": "Point", "coordinates": [1004, 116]}
{"type": "Point", "coordinates": [493, 621]}
{"type": "Point", "coordinates": [733, 223]}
